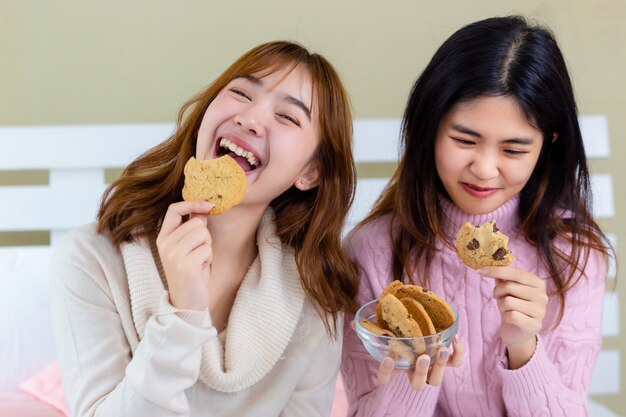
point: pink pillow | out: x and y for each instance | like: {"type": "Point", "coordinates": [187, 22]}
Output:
{"type": "Point", "coordinates": [46, 386]}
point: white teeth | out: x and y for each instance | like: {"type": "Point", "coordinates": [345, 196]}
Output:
{"type": "Point", "coordinates": [225, 143]}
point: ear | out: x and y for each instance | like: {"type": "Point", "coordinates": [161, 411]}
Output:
{"type": "Point", "coordinates": [555, 136]}
{"type": "Point", "coordinates": [310, 176]}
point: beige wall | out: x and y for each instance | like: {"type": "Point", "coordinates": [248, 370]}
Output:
{"type": "Point", "coordinates": [74, 62]}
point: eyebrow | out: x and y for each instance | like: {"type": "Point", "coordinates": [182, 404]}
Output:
{"type": "Point", "coordinates": [468, 131]}
{"type": "Point", "coordinates": [289, 99]}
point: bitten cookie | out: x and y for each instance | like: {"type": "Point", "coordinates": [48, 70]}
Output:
{"type": "Point", "coordinates": [483, 245]}
{"type": "Point", "coordinates": [219, 181]}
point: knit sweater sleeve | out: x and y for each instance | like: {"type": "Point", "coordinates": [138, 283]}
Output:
{"type": "Point", "coordinates": [365, 396]}
{"type": "Point", "coordinates": [555, 380]}
{"type": "Point", "coordinates": [101, 375]}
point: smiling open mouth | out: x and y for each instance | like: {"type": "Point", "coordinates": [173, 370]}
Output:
{"type": "Point", "coordinates": [246, 159]}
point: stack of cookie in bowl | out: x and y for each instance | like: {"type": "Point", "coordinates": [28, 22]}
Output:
{"type": "Point", "coordinates": [405, 322]}
{"type": "Point", "coordinates": [408, 320]}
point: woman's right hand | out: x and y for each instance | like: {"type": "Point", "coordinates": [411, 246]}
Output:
{"type": "Point", "coordinates": [186, 254]}
{"type": "Point", "coordinates": [424, 373]}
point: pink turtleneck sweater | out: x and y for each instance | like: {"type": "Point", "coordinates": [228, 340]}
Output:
{"type": "Point", "coordinates": [553, 382]}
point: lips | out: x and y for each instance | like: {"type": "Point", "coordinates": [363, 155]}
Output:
{"type": "Point", "coordinates": [478, 191]}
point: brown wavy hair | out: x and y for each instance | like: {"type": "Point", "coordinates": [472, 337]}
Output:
{"type": "Point", "coordinates": [497, 57]}
{"type": "Point", "coordinates": [309, 221]}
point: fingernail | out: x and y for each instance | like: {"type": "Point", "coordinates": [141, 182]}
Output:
{"type": "Point", "coordinates": [424, 362]}
{"type": "Point", "coordinates": [481, 271]}
{"type": "Point", "coordinates": [207, 204]}
{"type": "Point", "coordinates": [387, 362]}
{"type": "Point", "coordinates": [443, 354]}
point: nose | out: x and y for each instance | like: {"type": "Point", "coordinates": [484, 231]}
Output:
{"type": "Point", "coordinates": [485, 166]}
{"type": "Point", "coordinates": [251, 121]}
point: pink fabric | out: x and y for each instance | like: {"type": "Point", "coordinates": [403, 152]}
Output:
{"type": "Point", "coordinates": [340, 402]}
{"type": "Point", "coordinates": [554, 382]}
{"type": "Point", "coordinates": [46, 386]}
{"type": "Point", "coordinates": [21, 404]}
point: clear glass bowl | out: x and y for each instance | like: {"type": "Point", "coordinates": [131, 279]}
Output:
{"type": "Point", "coordinates": [404, 350]}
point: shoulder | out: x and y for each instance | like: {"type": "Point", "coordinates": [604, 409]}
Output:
{"type": "Point", "coordinates": [592, 263]}
{"type": "Point", "coordinates": [84, 244]}
{"type": "Point", "coordinates": [370, 245]}
{"type": "Point", "coordinates": [84, 257]}
{"type": "Point", "coordinates": [369, 237]}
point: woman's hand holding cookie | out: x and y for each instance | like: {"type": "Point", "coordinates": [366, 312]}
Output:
{"type": "Point", "coordinates": [186, 254]}
{"type": "Point", "coordinates": [425, 372]}
{"type": "Point", "coordinates": [522, 301]}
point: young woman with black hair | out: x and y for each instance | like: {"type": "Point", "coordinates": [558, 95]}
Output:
{"type": "Point", "coordinates": [490, 132]}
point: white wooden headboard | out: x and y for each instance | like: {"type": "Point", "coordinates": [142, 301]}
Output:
{"type": "Point", "coordinates": [76, 158]}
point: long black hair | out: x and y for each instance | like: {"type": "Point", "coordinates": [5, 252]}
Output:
{"type": "Point", "coordinates": [500, 56]}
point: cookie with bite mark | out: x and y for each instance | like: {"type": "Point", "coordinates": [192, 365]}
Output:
{"type": "Point", "coordinates": [219, 181]}
{"type": "Point", "coordinates": [483, 245]}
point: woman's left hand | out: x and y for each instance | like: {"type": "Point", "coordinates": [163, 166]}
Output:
{"type": "Point", "coordinates": [522, 301]}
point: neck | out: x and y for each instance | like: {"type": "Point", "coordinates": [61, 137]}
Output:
{"type": "Point", "coordinates": [505, 216]}
{"type": "Point", "coordinates": [233, 236]}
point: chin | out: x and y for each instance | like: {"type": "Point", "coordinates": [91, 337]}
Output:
{"type": "Point", "coordinates": [472, 208]}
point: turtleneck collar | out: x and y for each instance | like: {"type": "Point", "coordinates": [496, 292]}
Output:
{"type": "Point", "coordinates": [505, 216]}
{"type": "Point", "coordinates": [262, 321]}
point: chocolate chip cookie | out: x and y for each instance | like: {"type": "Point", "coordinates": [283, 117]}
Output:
{"type": "Point", "coordinates": [483, 245]}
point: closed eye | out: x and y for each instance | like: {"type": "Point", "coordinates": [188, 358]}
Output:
{"type": "Point", "coordinates": [288, 118]}
{"type": "Point", "coordinates": [515, 152]}
{"type": "Point", "coordinates": [240, 93]}
{"type": "Point", "coordinates": [464, 142]}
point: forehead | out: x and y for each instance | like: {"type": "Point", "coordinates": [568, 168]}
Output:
{"type": "Point", "coordinates": [297, 76]}
{"type": "Point", "coordinates": [500, 112]}
{"type": "Point", "coordinates": [290, 80]}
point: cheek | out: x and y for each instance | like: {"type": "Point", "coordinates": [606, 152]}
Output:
{"type": "Point", "coordinates": [204, 138]}
{"type": "Point", "coordinates": [519, 176]}
{"type": "Point", "coordinates": [445, 165]}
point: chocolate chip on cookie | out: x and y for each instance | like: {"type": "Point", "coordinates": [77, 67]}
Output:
{"type": "Point", "coordinates": [483, 245]}
{"type": "Point", "coordinates": [400, 322]}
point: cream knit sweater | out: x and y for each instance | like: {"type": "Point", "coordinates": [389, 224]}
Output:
{"type": "Point", "coordinates": [125, 351]}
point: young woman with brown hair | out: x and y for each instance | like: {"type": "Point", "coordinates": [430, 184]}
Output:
{"type": "Point", "coordinates": [162, 310]}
